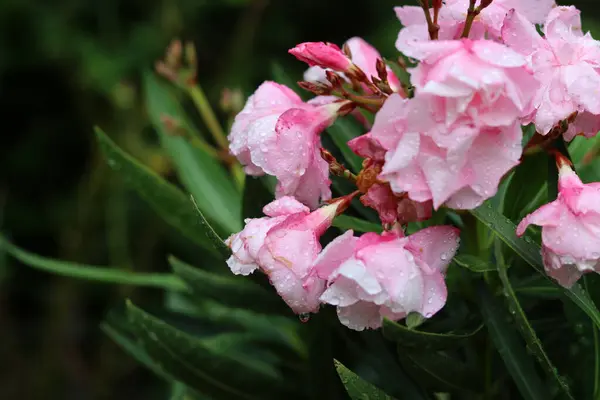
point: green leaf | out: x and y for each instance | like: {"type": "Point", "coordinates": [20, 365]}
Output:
{"type": "Point", "coordinates": [527, 187]}
{"type": "Point", "coordinates": [511, 349]}
{"type": "Point", "coordinates": [533, 342]}
{"type": "Point", "coordinates": [414, 320]}
{"type": "Point", "coordinates": [440, 372]}
{"type": "Point", "coordinates": [425, 340]}
{"type": "Point", "coordinates": [168, 201]}
{"type": "Point", "coordinates": [358, 388]}
{"type": "Point", "coordinates": [93, 273]}
{"type": "Point", "coordinates": [473, 263]}
{"type": "Point", "coordinates": [358, 225]}
{"type": "Point", "coordinates": [530, 251]}
{"type": "Point", "coordinates": [203, 176]}
{"type": "Point", "coordinates": [212, 236]}
{"type": "Point", "coordinates": [234, 291]}
{"type": "Point", "coordinates": [341, 132]}
{"type": "Point", "coordinates": [211, 370]}
{"type": "Point", "coordinates": [122, 337]}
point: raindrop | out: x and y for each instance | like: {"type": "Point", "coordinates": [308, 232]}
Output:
{"type": "Point", "coordinates": [304, 317]}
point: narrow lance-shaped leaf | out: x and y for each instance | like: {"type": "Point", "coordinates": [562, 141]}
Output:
{"type": "Point", "coordinates": [199, 366]}
{"type": "Point", "coordinates": [529, 251]}
{"type": "Point", "coordinates": [407, 337]}
{"type": "Point", "coordinates": [512, 351]}
{"type": "Point", "coordinates": [202, 175]}
{"type": "Point", "coordinates": [533, 342]}
{"type": "Point", "coordinates": [356, 224]}
{"type": "Point", "coordinates": [358, 388]}
{"type": "Point", "coordinates": [167, 200]}
{"type": "Point", "coordinates": [473, 263]}
{"type": "Point", "coordinates": [440, 372]}
{"type": "Point", "coordinates": [93, 273]}
{"type": "Point", "coordinates": [210, 233]}
{"type": "Point", "coordinates": [526, 190]}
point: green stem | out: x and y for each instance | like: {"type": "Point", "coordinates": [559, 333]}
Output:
{"type": "Point", "coordinates": [215, 129]}
{"type": "Point", "coordinates": [208, 115]}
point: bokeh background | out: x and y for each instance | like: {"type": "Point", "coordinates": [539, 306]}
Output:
{"type": "Point", "coordinates": [67, 65]}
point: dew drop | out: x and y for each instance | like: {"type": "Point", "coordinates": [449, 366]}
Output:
{"type": "Point", "coordinates": [304, 317]}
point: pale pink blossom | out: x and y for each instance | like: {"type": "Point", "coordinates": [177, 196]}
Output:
{"type": "Point", "coordinates": [459, 165]}
{"type": "Point", "coordinates": [481, 79]}
{"type": "Point", "coordinates": [364, 56]}
{"type": "Point", "coordinates": [452, 16]}
{"type": "Point", "coordinates": [284, 245]}
{"type": "Point", "coordinates": [386, 276]}
{"type": "Point", "coordinates": [567, 64]}
{"type": "Point", "coordinates": [570, 229]}
{"type": "Point", "coordinates": [278, 134]}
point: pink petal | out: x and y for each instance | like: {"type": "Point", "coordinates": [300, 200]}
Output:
{"type": "Point", "coordinates": [435, 294]}
{"type": "Point", "coordinates": [367, 146]}
{"type": "Point", "coordinates": [546, 215]}
{"type": "Point", "coordinates": [410, 15]}
{"type": "Point", "coordinates": [566, 275]}
{"type": "Point", "coordinates": [334, 254]}
{"type": "Point", "coordinates": [579, 79]}
{"type": "Point", "coordinates": [291, 289]}
{"type": "Point", "coordinates": [435, 246]}
{"type": "Point", "coordinates": [535, 11]}
{"type": "Point", "coordinates": [497, 54]}
{"type": "Point", "coordinates": [284, 206]}
{"type": "Point", "coordinates": [360, 316]}
{"type": "Point", "coordinates": [563, 23]}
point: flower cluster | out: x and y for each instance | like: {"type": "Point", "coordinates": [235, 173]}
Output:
{"type": "Point", "coordinates": [444, 137]}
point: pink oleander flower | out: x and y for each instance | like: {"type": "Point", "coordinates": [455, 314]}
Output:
{"type": "Point", "coordinates": [364, 56]}
{"type": "Point", "coordinates": [284, 245]}
{"type": "Point", "coordinates": [570, 228]}
{"type": "Point", "coordinates": [452, 16]}
{"type": "Point", "coordinates": [567, 64]}
{"type": "Point", "coordinates": [386, 276]}
{"type": "Point", "coordinates": [481, 79]}
{"type": "Point", "coordinates": [390, 206]}
{"type": "Point", "coordinates": [278, 134]}
{"type": "Point", "coordinates": [459, 165]}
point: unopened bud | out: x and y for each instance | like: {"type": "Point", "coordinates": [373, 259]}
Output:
{"type": "Point", "coordinates": [327, 156]}
{"type": "Point", "coordinates": [190, 55]}
{"type": "Point", "coordinates": [333, 78]}
{"type": "Point", "coordinates": [346, 108]}
{"type": "Point", "coordinates": [173, 53]}
{"type": "Point", "coordinates": [319, 89]}
{"type": "Point", "coordinates": [562, 161]}
{"type": "Point", "coordinates": [347, 51]}
{"type": "Point", "coordinates": [232, 100]}
{"type": "Point", "coordinates": [172, 126]}
{"type": "Point", "coordinates": [381, 70]}
{"type": "Point", "coordinates": [165, 71]}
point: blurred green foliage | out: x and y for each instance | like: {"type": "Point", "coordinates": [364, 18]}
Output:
{"type": "Point", "coordinates": [66, 66]}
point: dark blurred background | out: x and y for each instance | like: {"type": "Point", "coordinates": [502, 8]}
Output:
{"type": "Point", "coordinates": [67, 65]}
